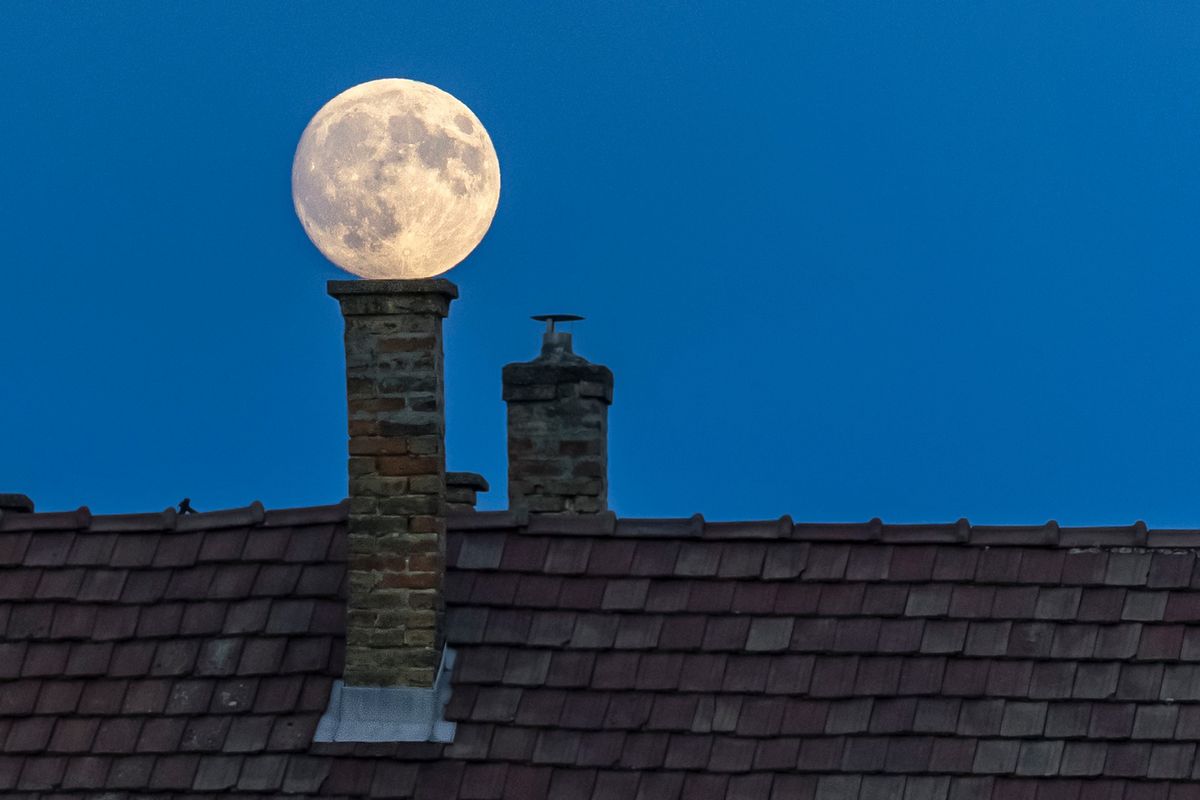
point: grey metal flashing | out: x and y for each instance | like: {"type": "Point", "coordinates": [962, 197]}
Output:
{"type": "Point", "coordinates": [389, 713]}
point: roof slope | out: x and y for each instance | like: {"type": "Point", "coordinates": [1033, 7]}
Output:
{"type": "Point", "coordinates": [150, 655]}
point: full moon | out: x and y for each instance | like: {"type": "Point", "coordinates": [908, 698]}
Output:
{"type": "Point", "coordinates": [395, 179]}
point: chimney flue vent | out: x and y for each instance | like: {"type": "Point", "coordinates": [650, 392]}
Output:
{"type": "Point", "coordinates": [556, 342]}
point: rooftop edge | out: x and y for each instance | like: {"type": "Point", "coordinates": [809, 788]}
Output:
{"type": "Point", "coordinates": [1049, 534]}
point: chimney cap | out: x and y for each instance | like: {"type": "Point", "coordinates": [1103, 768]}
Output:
{"type": "Point", "coordinates": [551, 319]}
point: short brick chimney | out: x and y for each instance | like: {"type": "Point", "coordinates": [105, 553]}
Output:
{"type": "Point", "coordinates": [397, 526]}
{"type": "Point", "coordinates": [558, 428]}
{"type": "Point", "coordinates": [462, 490]}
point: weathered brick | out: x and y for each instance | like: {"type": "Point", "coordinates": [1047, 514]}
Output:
{"type": "Point", "coordinates": [407, 465]}
{"type": "Point", "coordinates": [397, 475]}
{"type": "Point", "coordinates": [558, 431]}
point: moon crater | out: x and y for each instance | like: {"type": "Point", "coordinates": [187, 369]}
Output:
{"type": "Point", "coordinates": [395, 179]}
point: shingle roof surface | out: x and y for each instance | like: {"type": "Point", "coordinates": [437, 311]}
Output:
{"type": "Point", "coordinates": [155, 655]}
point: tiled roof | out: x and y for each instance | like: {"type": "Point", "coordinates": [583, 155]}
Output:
{"type": "Point", "coordinates": [187, 656]}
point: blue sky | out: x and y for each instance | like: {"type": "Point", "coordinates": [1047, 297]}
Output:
{"type": "Point", "coordinates": [909, 260]}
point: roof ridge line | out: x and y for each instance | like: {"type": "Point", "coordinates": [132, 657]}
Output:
{"type": "Point", "coordinates": [306, 515]}
{"type": "Point", "coordinates": [1048, 534]}
{"type": "Point", "coordinates": [82, 520]}
{"type": "Point", "coordinates": [75, 520]}
{"type": "Point", "coordinates": [148, 521]}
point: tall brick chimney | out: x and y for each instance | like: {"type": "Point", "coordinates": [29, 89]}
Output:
{"type": "Point", "coordinates": [397, 527]}
{"type": "Point", "coordinates": [558, 428]}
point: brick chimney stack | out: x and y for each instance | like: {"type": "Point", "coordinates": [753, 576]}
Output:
{"type": "Point", "coordinates": [558, 428]}
{"type": "Point", "coordinates": [397, 526]}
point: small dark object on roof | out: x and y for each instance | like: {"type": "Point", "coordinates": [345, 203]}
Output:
{"type": "Point", "coordinates": [15, 502]}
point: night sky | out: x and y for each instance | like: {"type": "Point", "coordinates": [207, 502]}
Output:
{"type": "Point", "coordinates": [910, 260]}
